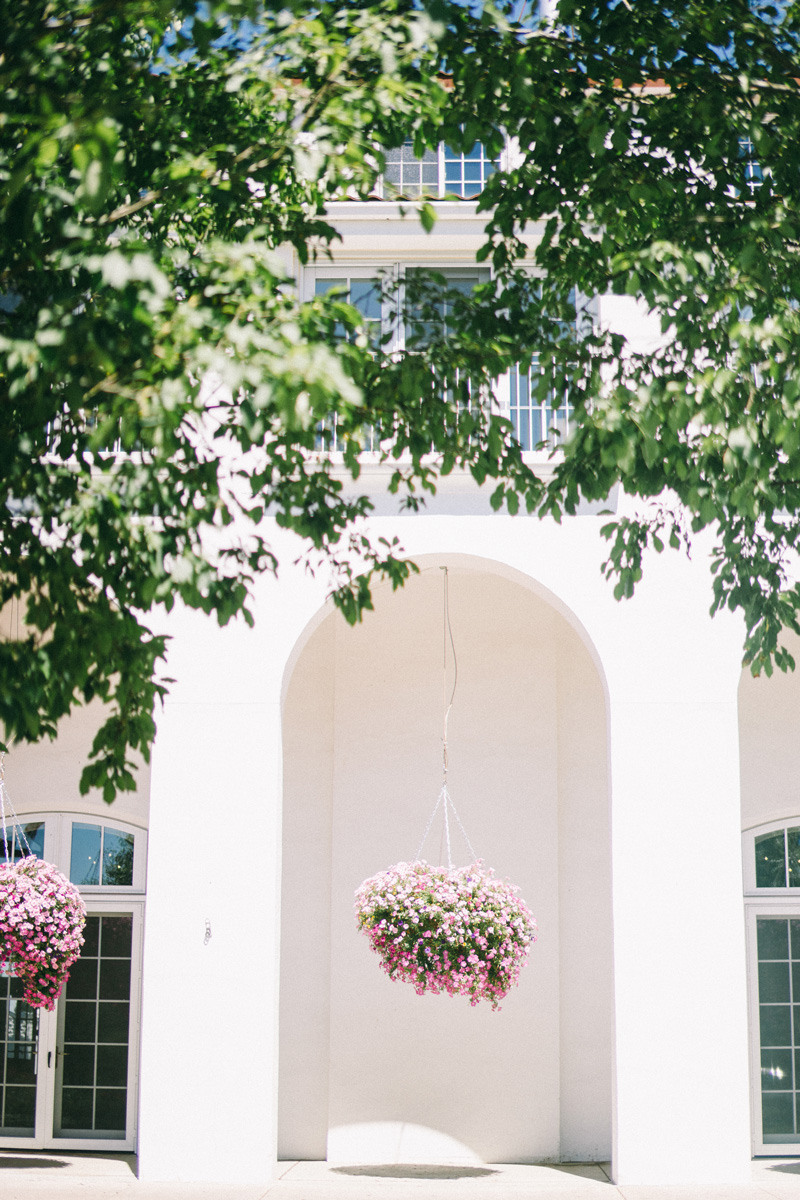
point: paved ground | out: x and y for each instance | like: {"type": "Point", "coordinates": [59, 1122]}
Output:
{"type": "Point", "coordinates": [53, 1176]}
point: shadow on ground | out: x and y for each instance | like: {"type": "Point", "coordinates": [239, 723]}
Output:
{"type": "Point", "coordinates": [415, 1171]}
{"type": "Point", "coordinates": [16, 1162]}
{"type": "Point", "coordinates": [785, 1168]}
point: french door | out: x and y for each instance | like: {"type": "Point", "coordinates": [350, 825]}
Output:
{"type": "Point", "coordinates": [68, 1079]}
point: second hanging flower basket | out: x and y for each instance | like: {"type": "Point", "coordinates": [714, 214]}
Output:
{"type": "Point", "coordinates": [447, 929]}
{"type": "Point", "coordinates": [42, 917]}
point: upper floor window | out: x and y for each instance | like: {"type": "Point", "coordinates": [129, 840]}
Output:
{"type": "Point", "coordinates": [541, 414]}
{"type": "Point", "coordinates": [466, 174]}
{"type": "Point", "coordinates": [439, 173]}
{"type": "Point", "coordinates": [753, 175]}
{"type": "Point", "coordinates": [364, 293]}
{"type": "Point", "coordinates": [427, 311]}
{"type": "Point", "coordinates": [539, 420]}
{"type": "Point", "coordinates": [407, 175]}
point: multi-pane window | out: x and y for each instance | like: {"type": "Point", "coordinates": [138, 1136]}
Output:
{"type": "Point", "coordinates": [540, 408]}
{"type": "Point", "coordinates": [96, 1032]}
{"type": "Point", "coordinates": [428, 315]}
{"type": "Point", "coordinates": [466, 174]}
{"type": "Point", "coordinates": [365, 294]}
{"type": "Point", "coordinates": [778, 944]}
{"type": "Point", "coordinates": [771, 875]}
{"type": "Point", "coordinates": [439, 173]}
{"type": "Point", "coordinates": [407, 175]}
{"type": "Point", "coordinates": [540, 411]}
{"type": "Point", "coordinates": [94, 853]}
{"type": "Point", "coordinates": [428, 312]}
{"type": "Point", "coordinates": [538, 421]}
{"type": "Point", "coordinates": [19, 1025]}
{"type": "Point", "coordinates": [753, 175]}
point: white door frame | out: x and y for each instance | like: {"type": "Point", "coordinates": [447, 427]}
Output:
{"type": "Point", "coordinates": [789, 908]}
{"type": "Point", "coordinates": [48, 1076]}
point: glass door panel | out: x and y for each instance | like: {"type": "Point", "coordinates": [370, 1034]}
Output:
{"type": "Point", "coordinates": [93, 1040]}
{"type": "Point", "coordinates": [19, 1030]}
{"type": "Point", "coordinates": [778, 957]}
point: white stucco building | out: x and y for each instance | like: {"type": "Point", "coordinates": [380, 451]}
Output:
{"type": "Point", "coordinates": [611, 759]}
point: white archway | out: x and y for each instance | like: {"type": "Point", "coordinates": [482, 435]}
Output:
{"type": "Point", "coordinates": [370, 1071]}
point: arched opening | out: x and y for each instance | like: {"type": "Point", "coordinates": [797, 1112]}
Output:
{"type": "Point", "coordinates": [369, 1071]}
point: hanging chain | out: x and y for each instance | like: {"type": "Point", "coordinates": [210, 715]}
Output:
{"type": "Point", "coordinates": [470, 847]}
{"type": "Point", "coordinates": [445, 799]}
{"type": "Point", "coordinates": [431, 819]}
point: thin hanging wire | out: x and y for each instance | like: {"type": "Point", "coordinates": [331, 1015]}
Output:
{"type": "Point", "coordinates": [445, 799]}
{"type": "Point", "coordinates": [3, 803]}
{"type": "Point", "coordinates": [447, 632]}
{"type": "Point", "coordinates": [7, 807]}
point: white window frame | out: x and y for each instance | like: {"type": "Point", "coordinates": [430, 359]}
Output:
{"type": "Point", "coordinates": [749, 858]}
{"type": "Point", "coordinates": [139, 884]}
{"type": "Point", "coordinates": [753, 911]}
{"type": "Point", "coordinates": [763, 902]}
{"type": "Point", "coordinates": [501, 392]}
{"type": "Point", "coordinates": [101, 900]}
{"type": "Point", "coordinates": [58, 847]}
{"type": "Point", "coordinates": [107, 907]}
{"type": "Point", "coordinates": [440, 192]}
{"type": "Point", "coordinates": [397, 340]}
{"type": "Point", "coordinates": [348, 272]}
{"type": "Point", "coordinates": [44, 1138]}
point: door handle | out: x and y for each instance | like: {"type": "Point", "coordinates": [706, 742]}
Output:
{"type": "Point", "coordinates": [49, 1056]}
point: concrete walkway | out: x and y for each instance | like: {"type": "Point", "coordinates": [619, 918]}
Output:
{"type": "Point", "coordinates": [50, 1176]}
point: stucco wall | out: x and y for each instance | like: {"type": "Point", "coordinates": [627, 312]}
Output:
{"type": "Point", "coordinates": [769, 739]}
{"type": "Point", "coordinates": [45, 777]}
{"type": "Point", "coordinates": [584, 866]}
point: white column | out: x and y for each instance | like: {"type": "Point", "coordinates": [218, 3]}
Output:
{"type": "Point", "coordinates": [208, 1063]}
{"type": "Point", "coordinates": [682, 1099]}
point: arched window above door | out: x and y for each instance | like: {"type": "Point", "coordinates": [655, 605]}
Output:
{"type": "Point", "coordinates": [772, 858]}
{"type": "Point", "coordinates": [20, 839]}
{"type": "Point", "coordinates": [101, 855]}
{"type": "Point", "coordinates": [96, 855]}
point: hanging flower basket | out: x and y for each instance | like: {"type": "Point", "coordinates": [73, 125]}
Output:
{"type": "Point", "coordinates": [42, 917]}
{"type": "Point", "coordinates": [447, 929]}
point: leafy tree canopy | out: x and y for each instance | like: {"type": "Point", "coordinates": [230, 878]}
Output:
{"type": "Point", "coordinates": [158, 161]}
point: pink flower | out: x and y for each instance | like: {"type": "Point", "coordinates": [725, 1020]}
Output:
{"type": "Point", "coordinates": [42, 917]}
{"type": "Point", "coordinates": [454, 930]}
